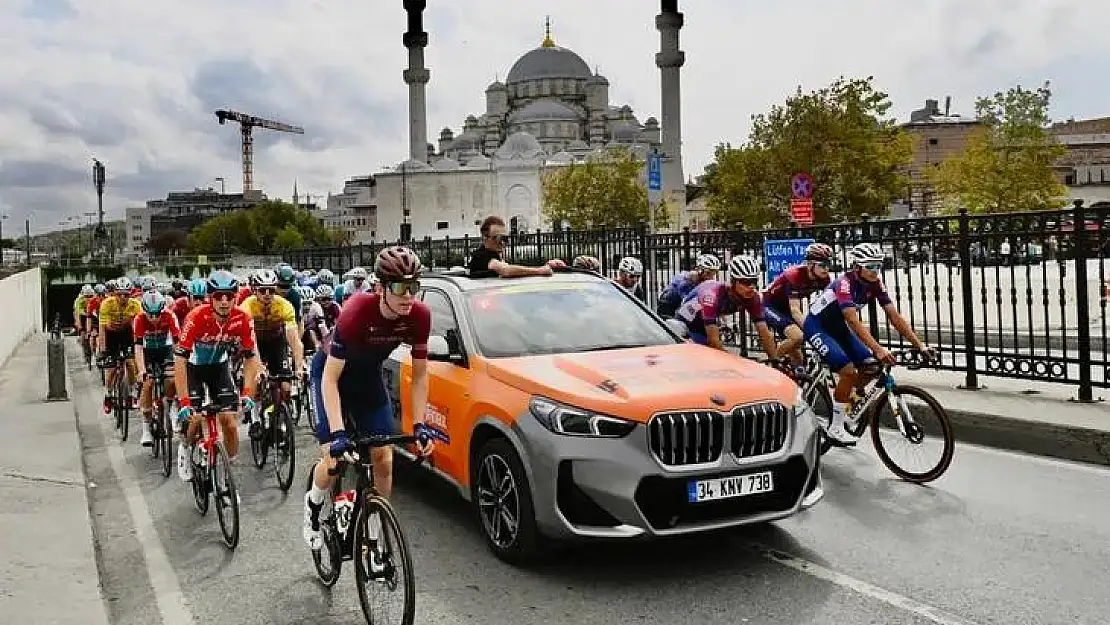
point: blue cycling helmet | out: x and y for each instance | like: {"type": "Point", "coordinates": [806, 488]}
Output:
{"type": "Point", "coordinates": [222, 280]}
{"type": "Point", "coordinates": [153, 303]}
{"type": "Point", "coordinates": [198, 288]}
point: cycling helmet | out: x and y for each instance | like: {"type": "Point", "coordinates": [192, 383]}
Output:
{"type": "Point", "coordinates": [743, 268]}
{"type": "Point", "coordinates": [631, 266]}
{"type": "Point", "coordinates": [147, 283]}
{"type": "Point", "coordinates": [99, 289]}
{"type": "Point", "coordinates": [198, 288]}
{"type": "Point", "coordinates": [87, 291]}
{"type": "Point", "coordinates": [124, 284]}
{"type": "Point", "coordinates": [819, 252]}
{"type": "Point", "coordinates": [177, 284]}
{"type": "Point", "coordinates": [306, 293]}
{"type": "Point", "coordinates": [707, 262]}
{"type": "Point", "coordinates": [396, 264]}
{"type": "Point", "coordinates": [867, 253]}
{"type": "Point", "coordinates": [326, 277]}
{"type": "Point", "coordinates": [324, 291]}
{"type": "Point", "coordinates": [222, 281]}
{"type": "Point", "coordinates": [285, 274]}
{"type": "Point", "coordinates": [358, 273]}
{"type": "Point", "coordinates": [264, 278]}
{"type": "Point", "coordinates": [153, 303]}
{"type": "Point", "coordinates": [587, 262]}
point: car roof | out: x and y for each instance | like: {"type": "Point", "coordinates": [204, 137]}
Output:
{"type": "Point", "coordinates": [462, 279]}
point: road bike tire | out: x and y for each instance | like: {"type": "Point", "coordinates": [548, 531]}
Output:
{"type": "Point", "coordinates": [165, 438]}
{"type": "Point", "coordinates": [334, 559]}
{"type": "Point", "coordinates": [227, 512]}
{"type": "Point", "coordinates": [200, 482]}
{"type": "Point", "coordinates": [260, 447]}
{"type": "Point", "coordinates": [285, 440]}
{"type": "Point", "coordinates": [123, 404]}
{"type": "Point", "coordinates": [949, 446]}
{"type": "Point", "coordinates": [397, 553]}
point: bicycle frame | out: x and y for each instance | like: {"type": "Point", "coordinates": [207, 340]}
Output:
{"type": "Point", "coordinates": [210, 435]}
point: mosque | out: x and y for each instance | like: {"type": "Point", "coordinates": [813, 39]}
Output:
{"type": "Point", "coordinates": [551, 111]}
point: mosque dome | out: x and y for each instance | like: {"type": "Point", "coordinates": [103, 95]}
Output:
{"type": "Point", "coordinates": [548, 61]}
{"type": "Point", "coordinates": [544, 110]}
{"type": "Point", "coordinates": [520, 145]}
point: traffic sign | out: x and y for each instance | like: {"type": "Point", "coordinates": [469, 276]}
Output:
{"type": "Point", "coordinates": [801, 186]}
{"type": "Point", "coordinates": [783, 253]}
{"type": "Point", "coordinates": [802, 211]}
{"type": "Point", "coordinates": [655, 172]}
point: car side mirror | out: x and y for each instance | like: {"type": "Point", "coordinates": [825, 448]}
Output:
{"type": "Point", "coordinates": [440, 349]}
{"type": "Point", "coordinates": [677, 327]}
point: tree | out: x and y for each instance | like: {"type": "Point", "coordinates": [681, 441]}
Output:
{"type": "Point", "coordinates": [288, 238]}
{"type": "Point", "coordinates": [839, 134]}
{"type": "Point", "coordinates": [7, 243]}
{"type": "Point", "coordinates": [166, 242]}
{"type": "Point", "coordinates": [268, 227]}
{"type": "Point", "coordinates": [603, 192]}
{"type": "Point", "coordinates": [1007, 165]}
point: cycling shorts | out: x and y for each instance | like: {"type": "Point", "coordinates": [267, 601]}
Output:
{"type": "Point", "coordinates": [836, 343]}
{"type": "Point", "coordinates": [212, 383]}
{"type": "Point", "coordinates": [163, 355]}
{"type": "Point", "coordinates": [357, 420]}
{"type": "Point", "coordinates": [666, 310]}
{"type": "Point", "coordinates": [274, 356]}
{"type": "Point", "coordinates": [778, 321]}
{"type": "Point", "coordinates": [119, 342]}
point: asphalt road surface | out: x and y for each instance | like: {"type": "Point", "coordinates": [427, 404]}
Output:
{"type": "Point", "coordinates": [1003, 538]}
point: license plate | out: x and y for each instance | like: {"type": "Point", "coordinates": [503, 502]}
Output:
{"type": "Point", "coordinates": [729, 487]}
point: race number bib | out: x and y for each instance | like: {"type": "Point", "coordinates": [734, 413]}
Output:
{"type": "Point", "coordinates": [819, 303]}
{"type": "Point", "coordinates": [689, 309]}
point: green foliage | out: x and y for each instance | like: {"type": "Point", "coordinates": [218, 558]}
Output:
{"type": "Point", "coordinates": [1008, 165]}
{"type": "Point", "coordinates": [7, 244]}
{"type": "Point", "coordinates": [840, 134]}
{"type": "Point", "coordinates": [271, 226]}
{"type": "Point", "coordinates": [602, 193]}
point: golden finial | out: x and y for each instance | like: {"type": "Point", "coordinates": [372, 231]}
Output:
{"type": "Point", "coordinates": [548, 42]}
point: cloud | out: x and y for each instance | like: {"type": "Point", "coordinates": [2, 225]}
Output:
{"type": "Point", "coordinates": [135, 82]}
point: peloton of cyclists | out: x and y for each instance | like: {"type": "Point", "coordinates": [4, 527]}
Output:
{"type": "Point", "coordinates": [713, 299]}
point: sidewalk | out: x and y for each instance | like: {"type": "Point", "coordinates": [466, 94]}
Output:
{"type": "Point", "coordinates": [49, 575]}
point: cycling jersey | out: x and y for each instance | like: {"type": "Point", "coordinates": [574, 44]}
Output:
{"type": "Point", "coordinates": [293, 296]}
{"type": "Point", "coordinates": [637, 291]}
{"type": "Point", "coordinates": [677, 289]}
{"type": "Point", "coordinates": [242, 295]}
{"type": "Point", "coordinates": [115, 315]}
{"type": "Point", "coordinates": [270, 321]}
{"type": "Point", "coordinates": [92, 307]}
{"type": "Point", "coordinates": [80, 305]}
{"type": "Point", "coordinates": [847, 291]}
{"type": "Point", "coordinates": [181, 308]}
{"type": "Point", "coordinates": [321, 319]}
{"type": "Point", "coordinates": [825, 328]}
{"type": "Point", "coordinates": [205, 340]}
{"type": "Point", "coordinates": [158, 333]}
{"type": "Point", "coordinates": [713, 299]}
{"type": "Point", "coordinates": [794, 283]}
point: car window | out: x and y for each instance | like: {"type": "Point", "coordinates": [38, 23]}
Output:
{"type": "Point", "coordinates": [559, 317]}
{"type": "Point", "coordinates": [443, 314]}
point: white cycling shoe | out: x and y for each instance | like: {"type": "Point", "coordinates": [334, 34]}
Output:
{"type": "Point", "coordinates": [313, 515]}
{"type": "Point", "coordinates": [184, 463]}
{"type": "Point", "coordinates": [837, 432]}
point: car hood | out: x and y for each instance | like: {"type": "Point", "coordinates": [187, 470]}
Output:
{"type": "Point", "coordinates": [636, 383]}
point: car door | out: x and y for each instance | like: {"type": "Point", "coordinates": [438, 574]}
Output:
{"type": "Point", "coordinates": [448, 390]}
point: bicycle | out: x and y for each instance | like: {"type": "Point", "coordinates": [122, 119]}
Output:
{"type": "Point", "coordinates": [277, 431]}
{"type": "Point", "coordinates": [302, 397]}
{"type": "Point", "coordinates": [121, 402]}
{"type": "Point", "coordinates": [209, 458]}
{"type": "Point", "coordinates": [360, 504]}
{"type": "Point", "coordinates": [161, 427]}
{"type": "Point", "coordinates": [879, 386]}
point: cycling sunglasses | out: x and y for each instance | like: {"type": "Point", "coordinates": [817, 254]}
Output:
{"type": "Point", "coordinates": [823, 264]}
{"type": "Point", "coordinates": [401, 288]}
{"type": "Point", "coordinates": [747, 282]}
{"type": "Point", "coordinates": [219, 296]}
{"type": "Point", "coordinates": [876, 267]}
{"type": "Point", "coordinates": [266, 290]}
{"type": "Point", "coordinates": [500, 238]}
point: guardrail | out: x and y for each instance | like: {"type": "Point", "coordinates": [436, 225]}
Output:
{"type": "Point", "coordinates": [22, 296]}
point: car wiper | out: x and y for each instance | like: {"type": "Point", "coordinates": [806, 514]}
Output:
{"type": "Point", "coordinates": [605, 348]}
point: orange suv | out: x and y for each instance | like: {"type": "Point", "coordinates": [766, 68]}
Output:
{"type": "Point", "coordinates": [564, 408]}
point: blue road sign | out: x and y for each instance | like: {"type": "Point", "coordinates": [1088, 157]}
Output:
{"type": "Point", "coordinates": [783, 253]}
{"type": "Point", "coordinates": [655, 172]}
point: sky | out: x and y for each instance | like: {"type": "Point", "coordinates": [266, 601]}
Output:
{"type": "Point", "coordinates": [135, 82]}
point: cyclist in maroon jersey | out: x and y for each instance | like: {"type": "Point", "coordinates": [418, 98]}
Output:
{"type": "Point", "coordinates": [782, 300]}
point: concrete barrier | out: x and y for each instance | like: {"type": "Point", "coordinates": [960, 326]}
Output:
{"type": "Point", "coordinates": [21, 314]}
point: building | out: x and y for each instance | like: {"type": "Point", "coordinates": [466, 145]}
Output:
{"type": "Point", "coordinates": [354, 211]}
{"type": "Point", "coordinates": [936, 136]}
{"type": "Point", "coordinates": [1085, 169]}
{"type": "Point", "coordinates": [181, 211]}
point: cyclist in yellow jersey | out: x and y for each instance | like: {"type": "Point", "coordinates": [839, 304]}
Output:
{"type": "Point", "coordinates": [115, 339]}
{"type": "Point", "coordinates": [276, 330]}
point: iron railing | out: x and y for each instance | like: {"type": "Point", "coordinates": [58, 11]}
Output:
{"type": "Point", "coordinates": [1015, 295]}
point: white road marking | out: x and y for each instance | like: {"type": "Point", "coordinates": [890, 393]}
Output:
{"type": "Point", "coordinates": [167, 588]}
{"type": "Point", "coordinates": [924, 610]}
{"type": "Point", "coordinates": [1042, 460]}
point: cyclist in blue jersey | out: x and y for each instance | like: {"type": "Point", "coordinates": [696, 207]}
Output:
{"type": "Point", "coordinates": [714, 299]}
{"type": "Point", "coordinates": [672, 296]}
{"type": "Point", "coordinates": [782, 300]}
{"type": "Point", "coordinates": [834, 329]}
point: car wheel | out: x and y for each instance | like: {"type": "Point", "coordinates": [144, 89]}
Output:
{"type": "Point", "coordinates": [503, 501]}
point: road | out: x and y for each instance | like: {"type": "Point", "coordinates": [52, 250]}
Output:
{"type": "Point", "coordinates": [1003, 538]}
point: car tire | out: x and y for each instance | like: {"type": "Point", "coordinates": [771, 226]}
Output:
{"type": "Point", "coordinates": [524, 547]}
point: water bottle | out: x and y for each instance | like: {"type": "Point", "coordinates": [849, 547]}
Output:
{"type": "Point", "coordinates": [344, 508]}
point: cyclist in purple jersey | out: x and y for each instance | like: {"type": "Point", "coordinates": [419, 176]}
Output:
{"type": "Point", "coordinates": [672, 296]}
{"type": "Point", "coordinates": [834, 329]}
{"type": "Point", "coordinates": [782, 301]}
{"type": "Point", "coordinates": [714, 299]}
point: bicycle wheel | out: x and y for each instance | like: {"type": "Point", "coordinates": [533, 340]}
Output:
{"type": "Point", "coordinates": [226, 496]}
{"type": "Point", "coordinates": [285, 446]}
{"type": "Point", "coordinates": [165, 437]}
{"type": "Point", "coordinates": [122, 404]}
{"type": "Point", "coordinates": [260, 446]}
{"type": "Point", "coordinates": [885, 430]}
{"type": "Point", "coordinates": [330, 564]}
{"type": "Point", "coordinates": [200, 482]}
{"type": "Point", "coordinates": [394, 550]}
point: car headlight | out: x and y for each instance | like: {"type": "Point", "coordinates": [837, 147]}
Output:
{"type": "Point", "coordinates": [570, 421]}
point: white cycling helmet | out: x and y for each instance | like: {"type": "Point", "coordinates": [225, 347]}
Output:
{"type": "Point", "coordinates": [631, 266]}
{"type": "Point", "coordinates": [743, 268]}
{"type": "Point", "coordinates": [707, 262]}
{"type": "Point", "coordinates": [867, 253]}
{"type": "Point", "coordinates": [87, 291]}
{"type": "Point", "coordinates": [358, 273]}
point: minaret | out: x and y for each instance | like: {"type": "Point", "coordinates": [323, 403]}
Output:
{"type": "Point", "coordinates": [670, 61]}
{"type": "Point", "coordinates": [295, 202]}
{"type": "Point", "coordinates": [416, 77]}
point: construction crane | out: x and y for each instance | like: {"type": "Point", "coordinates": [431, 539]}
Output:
{"type": "Point", "coordinates": [247, 123]}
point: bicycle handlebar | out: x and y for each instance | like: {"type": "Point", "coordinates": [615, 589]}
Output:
{"type": "Point", "coordinates": [381, 441]}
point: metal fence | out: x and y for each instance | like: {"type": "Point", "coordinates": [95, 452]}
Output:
{"type": "Point", "coordinates": [1015, 295]}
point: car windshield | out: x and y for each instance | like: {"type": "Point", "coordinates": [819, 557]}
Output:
{"type": "Point", "coordinates": [558, 317]}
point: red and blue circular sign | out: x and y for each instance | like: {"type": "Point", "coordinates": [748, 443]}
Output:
{"type": "Point", "coordinates": [801, 186]}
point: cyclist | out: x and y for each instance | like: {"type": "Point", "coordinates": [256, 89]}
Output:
{"type": "Point", "coordinates": [194, 296]}
{"type": "Point", "coordinates": [80, 305]}
{"type": "Point", "coordinates": [115, 315]}
{"type": "Point", "coordinates": [322, 315]}
{"type": "Point", "coordinates": [287, 288]}
{"type": "Point", "coordinates": [629, 272]}
{"type": "Point", "coordinates": [782, 300]}
{"type": "Point", "coordinates": [325, 276]}
{"type": "Point", "coordinates": [714, 299]}
{"type": "Point", "coordinates": [155, 331]}
{"type": "Point", "coordinates": [201, 365]}
{"type": "Point", "coordinates": [92, 312]}
{"type": "Point", "coordinates": [705, 268]}
{"type": "Point", "coordinates": [275, 326]}
{"type": "Point", "coordinates": [347, 380]}
{"type": "Point", "coordinates": [177, 289]}
{"type": "Point", "coordinates": [834, 329]}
